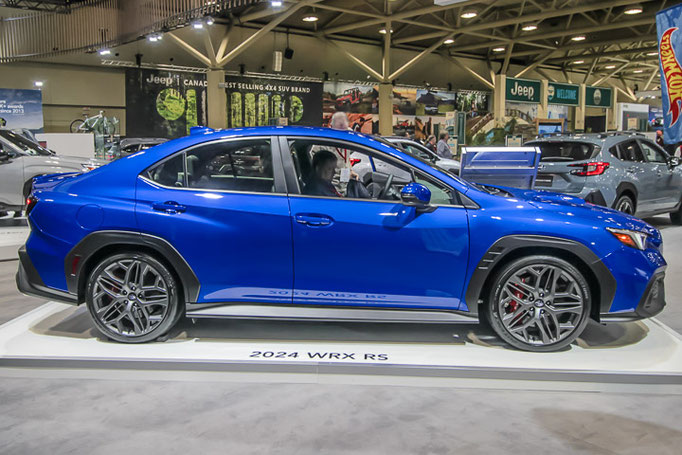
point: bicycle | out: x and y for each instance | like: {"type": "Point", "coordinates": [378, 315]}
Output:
{"type": "Point", "coordinates": [95, 124]}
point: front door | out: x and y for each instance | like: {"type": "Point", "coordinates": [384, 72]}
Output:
{"type": "Point", "coordinates": [668, 181]}
{"type": "Point", "coordinates": [223, 206]}
{"type": "Point", "coordinates": [375, 252]}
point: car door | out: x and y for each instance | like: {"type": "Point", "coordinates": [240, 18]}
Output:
{"type": "Point", "coordinates": [371, 252]}
{"type": "Point", "coordinates": [11, 176]}
{"type": "Point", "coordinates": [639, 173]}
{"type": "Point", "coordinates": [668, 179]}
{"type": "Point", "coordinates": [223, 206]}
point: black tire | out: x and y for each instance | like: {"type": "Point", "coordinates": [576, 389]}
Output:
{"type": "Point", "coordinates": [75, 125]}
{"type": "Point", "coordinates": [530, 310]}
{"type": "Point", "coordinates": [131, 299]}
{"type": "Point", "coordinates": [676, 216]}
{"type": "Point", "coordinates": [625, 204]}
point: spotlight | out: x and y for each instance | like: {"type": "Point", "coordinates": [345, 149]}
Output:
{"type": "Point", "coordinates": [197, 25]}
{"type": "Point", "coordinates": [210, 20]}
{"type": "Point", "coordinates": [154, 37]}
{"type": "Point", "coordinates": [38, 84]}
{"type": "Point", "coordinates": [499, 49]}
{"type": "Point", "coordinates": [469, 14]}
{"type": "Point", "coordinates": [383, 31]}
{"type": "Point", "coordinates": [275, 3]}
{"type": "Point", "coordinates": [529, 27]}
{"type": "Point", "coordinates": [578, 62]}
{"type": "Point", "coordinates": [104, 51]}
{"type": "Point", "coordinates": [638, 71]}
{"type": "Point", "coordinates": [633, 9]}
{"type": "Point", "coordinates": [652, 54]}
{"type": "Point", "coordinates": [579, 38]}
{"type": "Point", "coordinates": [310, 19]}
{"type": "Point", "coordinates": [610, 67]}
{"type": "Point", "coordinates": [448, 41]}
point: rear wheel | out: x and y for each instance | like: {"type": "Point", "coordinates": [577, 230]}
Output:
{"type": "Point", "coordinates": [625, 204]}
{"type": "Point", "coordinates": [133, 298]}
{"type": "Point", "coordinates": [75, 125]}
{"type": "Point", "coordinates": [539, 303]}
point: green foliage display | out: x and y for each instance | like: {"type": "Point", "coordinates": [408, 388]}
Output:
{"type": "Point", "coordinates": [170, 104]}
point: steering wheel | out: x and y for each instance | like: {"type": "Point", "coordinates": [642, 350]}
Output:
{"type": "Point", "coordinates": [387, 187]}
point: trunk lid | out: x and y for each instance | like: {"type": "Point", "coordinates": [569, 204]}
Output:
{"type": "Point", "coordinates": [559, 162]}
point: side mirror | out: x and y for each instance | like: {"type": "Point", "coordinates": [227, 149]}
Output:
{"type": "Point", "coordinates": [674, 161]}
{"type": "Point", "coordinates": [416, 195]}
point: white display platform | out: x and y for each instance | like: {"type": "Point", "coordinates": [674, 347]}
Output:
{"type": "Point", "coordinates": [61, 336]}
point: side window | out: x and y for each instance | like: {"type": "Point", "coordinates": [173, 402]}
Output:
{"type": "Point", "coordinates": [615, 152]}
{"type": "Point", "coordinates": [170, 172]}
{"type": "Point", "coordinates": [244, 165]}
{"type": "Point", "coordinates": [630, 151]}
{"type": "Point", "coordinates": [652, 153]}
{"type": "Point", "coordinates": [440, 194]}
{"type": "Point", "coordinates": [417, 152]}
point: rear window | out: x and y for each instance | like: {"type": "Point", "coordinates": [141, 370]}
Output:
{"type": "Point", "coordinates": [565, 151]}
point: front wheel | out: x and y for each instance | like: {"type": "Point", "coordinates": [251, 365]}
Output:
{"type": "Point", "coordinates": [539, 303]}
{"type": "Point", "coordinates": [133, 298]}
{"type": "Point", "coordinates": [625, 204]}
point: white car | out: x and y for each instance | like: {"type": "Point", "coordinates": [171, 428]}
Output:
{"type": "Point", "coordinates": [417, 150]}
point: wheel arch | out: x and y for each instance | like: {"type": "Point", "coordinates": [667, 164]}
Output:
{"type": "Point", "coordinates": [601, 281]}
{"type": "Point", "coordinates": [629, 189]}
{"type": "Point", "coordinates": [85, 256]}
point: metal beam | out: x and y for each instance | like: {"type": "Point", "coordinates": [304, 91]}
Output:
{"type": "Point", "coordinates": [610, 75]}
{"type": "Point", "coordinates": [189, 49]}
{"type": "Point", "coordinates": [418, 57]}
{"type": "Point", "coordinates": [574, 47]}
{"type": "Point", "coordinates": [459, 64]}
{"type": "Point", "coordinates": [371, 71]}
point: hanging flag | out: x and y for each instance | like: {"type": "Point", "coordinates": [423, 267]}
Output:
{"type": "Point", "coordinates": [669, 24]}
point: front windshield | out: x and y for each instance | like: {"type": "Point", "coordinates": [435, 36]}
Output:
{"type": "Point", "coordinates": [24, 145]}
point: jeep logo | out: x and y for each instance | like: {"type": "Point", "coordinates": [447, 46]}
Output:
{"type": "Point", "coordinates": [523, 91]}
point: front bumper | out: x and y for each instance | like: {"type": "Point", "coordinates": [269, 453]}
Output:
{"type": "Point", "coordinates": [651, 303]}
{"type": "Point", "coordinates": [30, 283]}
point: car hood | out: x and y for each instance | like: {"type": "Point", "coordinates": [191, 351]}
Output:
{"type": "Point", "coordinates": [598, 215]}
{"type": "Point", "coordinates": [78, 160]}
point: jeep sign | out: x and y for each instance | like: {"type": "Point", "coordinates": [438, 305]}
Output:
{"type": "Point", "coordinates": [523, 90]}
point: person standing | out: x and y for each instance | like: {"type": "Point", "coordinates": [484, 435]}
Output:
{"type": "Point", "coordinates": [431, 143]}
{"type": "Point", "coordinates": [442, 148]}
{"type": "Point", "coordinates": [339, 121]}
{"type": "Point", "coordinates": [659, 138]}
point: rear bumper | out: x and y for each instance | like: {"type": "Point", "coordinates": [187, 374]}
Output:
{"type": "Point", "coordinates": [30, 283]}
{"type": "Point", "coordinates": [651, 303]}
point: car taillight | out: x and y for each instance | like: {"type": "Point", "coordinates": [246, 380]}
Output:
{"type": "Point", "coordinates": [31, 202]}
{"type": "Point", "coordinates": [588, 169]}
{"type": "Point", "coordinates": [354, 161]}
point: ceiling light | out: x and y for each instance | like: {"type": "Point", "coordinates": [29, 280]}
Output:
{"type": "Point", "coordinates": [154, 37]}
{"type": "Point", "coordinates": [579, 38]}
{"type": "Point", "coordinates": [38, 83]}
{"type": "Point", "coordinates": [609, 67]}
{"type": "Point", "coordinates": [638, 71]}
{"type": "Point", "coordinates": [311, 19]}
{"type": "Point", "coordinates": [104, 52]}
{"type": "Point", "coordinates": [448, 41]}
{"type": "Point", "coordinates": [529, 27]}
{"type": "Point", "coordinates": [578, 62]}
{"type": "Point", "coordinates": [210, 20]}
{"type": "Point", "coordinates": [498, 49]}
{"type": "Point", "coordinates": [197, 25]}
{"type": "Point", "coordinates": [469, 14]}
{"type": "Point", "coordinates": [633, 9]}
{"type": "Point", "coordinates": [651, 54]}
{"type": "Point", "coordinates": [383, 31]}
{"type": "Point", "coordinates": [275, 3]}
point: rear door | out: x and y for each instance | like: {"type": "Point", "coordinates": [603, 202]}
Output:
{"type": "Point", "coordinates": [559, 162]}
{"type": "Point", "coordinates": [641, 174]}
{"type": "Point", "coordinates": [223, 206]}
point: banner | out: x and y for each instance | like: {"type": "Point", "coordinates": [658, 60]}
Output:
{"type": "Point", "coordinates": [598, 97]}
{"type": "Point", "coordinates": [668, 23]}
{"type": "Point", "coordinates": [164, 103]}
{"type": "Point", "coordinates": [253, 101]}
{"type": "Point", "coordinates": [523, 90]}
{"type": "Point", "coordinates": [566, 94]}
{"type": "Point", "coordinates": [21, 109]}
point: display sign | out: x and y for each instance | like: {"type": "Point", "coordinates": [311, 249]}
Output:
{"type": "Point", "coordinates": [598, 97]}
{"type": "Point", "coordinates": [523, 90]}
{"type": "Point", "coordinates": [253, 101]}
{"type": "Point", "coordinates": [21, 109]}
{"type": "Point", "coordinates": [670, 45]}
{"type": "Point", "coordinates": [566, 94]}
{"type": "Point", "coordinates": [164, 103]}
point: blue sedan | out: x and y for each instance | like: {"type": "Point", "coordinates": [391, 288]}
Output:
{"type": "Point", "coordinates": [273, 222]}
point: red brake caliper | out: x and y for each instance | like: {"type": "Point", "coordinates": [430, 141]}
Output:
{"type": "Point", "coordinates": [514, 305]}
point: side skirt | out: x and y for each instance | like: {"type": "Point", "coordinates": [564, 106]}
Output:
{"type": "Point", "coordinates": [290, 312]}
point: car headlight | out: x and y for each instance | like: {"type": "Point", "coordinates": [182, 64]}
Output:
{"type": "Point", "coordinates": [634, 239]}
{"type": "Point", "coordinates": [88, 167]}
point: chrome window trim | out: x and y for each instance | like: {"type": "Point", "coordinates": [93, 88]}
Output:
{"type": "Point", "coordinates": [205, 190]}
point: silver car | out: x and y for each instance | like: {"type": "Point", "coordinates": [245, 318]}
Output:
{"type": "Point", "coordinates": [416, 149]}
{"type": "Point", "coordinates": [625, 171]}
{"type": "Point", "coordinates": [22, 159]}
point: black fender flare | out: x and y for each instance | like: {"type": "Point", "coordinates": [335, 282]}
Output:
{"type": "Point", "coordinates": [622, 187]}
{"type": "Point", "coordinates": [508, 244]}
{"type": "Point", "coordinates": [78, 259]}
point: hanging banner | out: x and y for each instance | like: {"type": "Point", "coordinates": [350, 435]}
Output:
{"type": "Point", "coordinates": [565, 94]}
{"type": "Point", "coordinates": [523, 90]}
{"type": "Point", "coordinates": [670, 46]}
{"type": "Point", "coordinates": [598, 97]}
{"type": "Point", "coordinates": [21, 109]}
{"type": "Point", "coordinates": [254, 101]}
{"type": "Point", "coordinates": [164, 103]}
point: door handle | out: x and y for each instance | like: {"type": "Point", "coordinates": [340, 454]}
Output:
{"type": "Point", "coordinates": [313, 220]}
{"type": "Point", "coordinates": [632, 169]}
{"type": "Point", "coordinates": [168, 207]}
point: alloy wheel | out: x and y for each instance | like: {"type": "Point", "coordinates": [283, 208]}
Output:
{"type": "Point", "coordinates": [625, 206]}
{"type": "Point", "coordinates": [541, 305]}
{"type": "Point", "coordinates": [130, 297]}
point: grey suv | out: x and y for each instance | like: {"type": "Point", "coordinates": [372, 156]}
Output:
{"type": "Point", "coordinates": [22, 159]}
{"type": "Point", "coordinates": [625, 171]}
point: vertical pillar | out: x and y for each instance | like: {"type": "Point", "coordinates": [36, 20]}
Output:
{"type": "Point", "coordinates": [543, 110]}
{"type": "Point", "coordinates": [579, 120]}
{"type": "Point", "coordinates": [216, 99]}
{"type": "Point", "coordinates": [612, 112]}
{"type": "Point", "coordinates": [499, 99]}
{"type": "Point", "coordinates": [385, 109]}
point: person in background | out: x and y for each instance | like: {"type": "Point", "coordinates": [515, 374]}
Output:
{"type": "Point", "coordinates": [357, 126]}
{"type": "Point", "coordinates": [442, 148]}
{"type": "Point", "coordinates": [431, 143]}
{"type": "Point", "coordinates": [339, 121]}
{"type": "Point", "coordinates": [659, 138]}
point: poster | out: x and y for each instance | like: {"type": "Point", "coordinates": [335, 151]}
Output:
{"type": "Point", "coordinates": [253, 101]}
{"type": "Point", "coordinates": [670, 46]}
{"type": "Point", "coordinates": [434, 102]}
{"type": "Point", "coordinates": [350, 97]}
{"type": "Point", "coordinates": [21, 109]}
{"type": "Point", "coordinates": [164, 103]}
